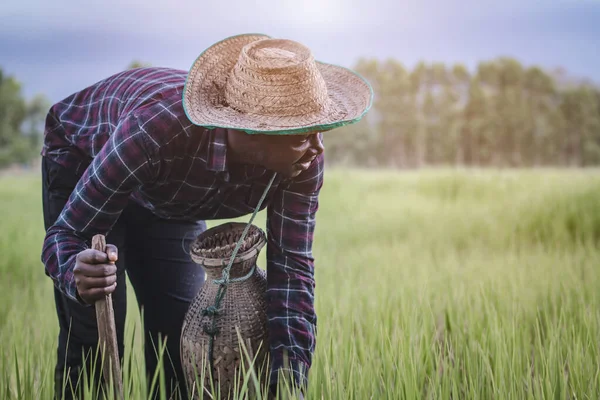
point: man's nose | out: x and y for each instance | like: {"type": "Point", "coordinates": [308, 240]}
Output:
{"type": "Point", "coordinates": [317, 143]}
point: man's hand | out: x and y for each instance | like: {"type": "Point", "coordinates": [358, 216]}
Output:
{"type": "Point", "coordinates": [96, 273]}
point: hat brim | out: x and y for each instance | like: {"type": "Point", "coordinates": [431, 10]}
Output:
{"type": "Point", "coordinates": [350, 94]}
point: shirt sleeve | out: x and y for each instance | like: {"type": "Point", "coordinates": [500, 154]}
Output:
{"type": "Point", "coordinates": [97, 201]}
{"type": "Point", "coordinates": [290, 275]}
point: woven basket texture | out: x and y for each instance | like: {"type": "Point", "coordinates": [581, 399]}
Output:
{"type": "Point", "coordinates": [242, 312]}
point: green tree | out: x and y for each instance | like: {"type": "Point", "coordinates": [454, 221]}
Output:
{"type": "Point", "coordinates": [582, 123]}
{"type": "Point", "coordinates": [504, 114]}
{"type": "Point", "coordinates": [540, 92]}
{"type": "Point", "coordinates": [475, 126]}
{"type": "Point", "coordinates": [394, 125]}
{"type": "Point", "coordinates": [452, 84]}
{"type": "Point", "coordinates": [460, 85]}
{"type": "Point", "coordinates": [20, 123]}
{"type": "Point", "coordinates": [358, 144]}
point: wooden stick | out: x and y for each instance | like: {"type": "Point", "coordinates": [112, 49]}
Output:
{"type": "Point", "coordinates": [107, 333]}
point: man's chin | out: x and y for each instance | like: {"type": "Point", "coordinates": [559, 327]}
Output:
{"type": "Point", "coordinates": [290, 173]}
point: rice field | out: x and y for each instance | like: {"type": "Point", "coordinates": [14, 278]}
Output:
{"type": "Point", "coordinates": [432, 284]}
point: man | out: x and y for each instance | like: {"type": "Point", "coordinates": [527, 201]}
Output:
{"type": "Point", "coordinates": [147, 155]}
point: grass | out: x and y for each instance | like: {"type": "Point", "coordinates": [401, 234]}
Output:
{"type": "Point", "coordinates": [433, 284]}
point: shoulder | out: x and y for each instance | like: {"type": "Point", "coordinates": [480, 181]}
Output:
{"type": "Point", "coordinates": [118, 95]}
{"type": "Point", "coordinates": [163, 119]}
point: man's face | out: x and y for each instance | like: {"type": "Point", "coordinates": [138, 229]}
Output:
{"type": "Point", "coordinates": [291, 155]}
{"type": "Point", "coordinates": [288, 155]}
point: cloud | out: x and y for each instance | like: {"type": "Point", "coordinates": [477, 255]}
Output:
{"type": "Point", "coordinates": [58, 47]}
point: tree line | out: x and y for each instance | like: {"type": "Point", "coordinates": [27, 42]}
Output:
{"type": "Point", "coordinates": [502, 114]}
{"type": "Point", "coordinates": [21, 123]}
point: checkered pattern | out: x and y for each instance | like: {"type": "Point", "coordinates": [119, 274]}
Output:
{"type": "Point", "coordinates": [130, 140]}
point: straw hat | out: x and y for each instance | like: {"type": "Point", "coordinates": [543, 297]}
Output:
{"type": "Point", "coordinates": [258, 84]}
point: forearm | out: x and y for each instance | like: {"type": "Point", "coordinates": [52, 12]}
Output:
{"type": "Point", "coordinates": [290, 274]}
{"type": "Point", "coordinates": [291, 313]}
{"type": "Point", "coordinates": [96, 202]}
{"type": "Point", "coordinates": [59, 252]}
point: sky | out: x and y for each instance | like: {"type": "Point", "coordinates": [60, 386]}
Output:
{"type": "Point", "coordinates": [58, 47]}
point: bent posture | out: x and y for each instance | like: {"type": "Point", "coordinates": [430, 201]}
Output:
{"type": "Point", "coordinates": [148, 155]}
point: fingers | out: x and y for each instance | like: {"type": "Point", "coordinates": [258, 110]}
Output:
{"type": "Point", "coordinates": [95, 270]}
{"type": "Point", "coordinates": [91, 256]}
{"type": "Point", "coordinates": [86, 282]}
{"type": "Point", "coordinates": [90, 296]}
{"type": "Point", "coordinates": [94, 281]}
{"type": "Point", "coordinates": [113, 252]}
{"type": "Point", "coordinates": [96, 273]}
{"type": "Point", "coordinates": [93, 289]}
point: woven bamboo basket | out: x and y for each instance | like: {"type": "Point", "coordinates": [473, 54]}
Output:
{"type": "Point", "coordinates": [242, 312]}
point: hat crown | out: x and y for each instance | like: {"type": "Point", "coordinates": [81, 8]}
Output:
{"type": "Point", "coordinates": [258, 84]}
{"type": "Point", "coordinates": [276, 77]}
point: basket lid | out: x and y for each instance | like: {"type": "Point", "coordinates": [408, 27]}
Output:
{"type": "Point", "coordinates": [214, 247]}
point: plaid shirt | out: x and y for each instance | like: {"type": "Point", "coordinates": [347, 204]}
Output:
{"type": "Point", "coordinates": [130, 140]}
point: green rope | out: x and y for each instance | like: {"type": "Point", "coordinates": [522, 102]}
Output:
{"type": "Point", "coordinates": [234, 280]}
{"type": "Point", "coordinates": [213, 311]}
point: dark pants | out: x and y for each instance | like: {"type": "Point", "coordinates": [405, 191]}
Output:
{"type": "Point", "coordinates": [153, 252]}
